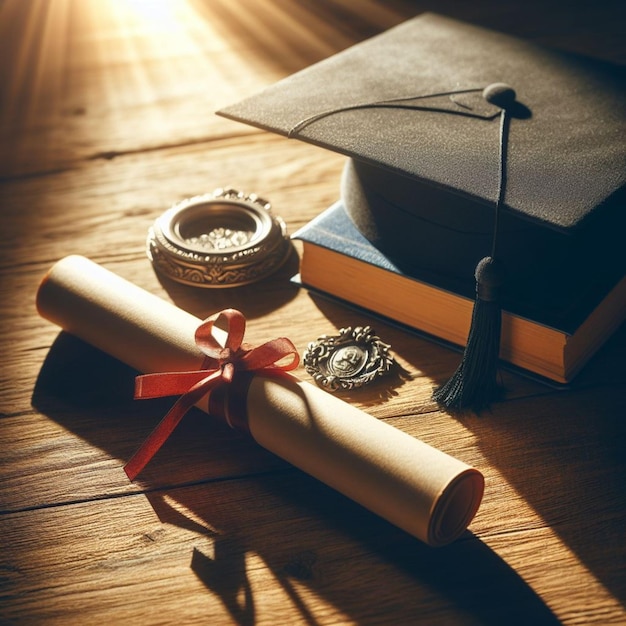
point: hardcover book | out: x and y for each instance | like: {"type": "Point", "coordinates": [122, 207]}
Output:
{"type": "Point", "coordinates": [340, 262]}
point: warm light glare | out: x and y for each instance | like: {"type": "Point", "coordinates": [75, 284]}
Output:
{"type": "Point", "coordinates": [160, 13]}
{"type": "Point", "coordinates": [80, 78]}
{"type": "Point", "coordinates": [80, 67]}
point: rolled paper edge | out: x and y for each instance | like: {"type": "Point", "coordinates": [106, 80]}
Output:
{"type": "Point", "coordinates": [456, 507]}
{"type": "Point", "coordinates": [118, 317]}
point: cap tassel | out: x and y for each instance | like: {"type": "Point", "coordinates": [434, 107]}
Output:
{"type": "Point", "coordinates": [474, 383]}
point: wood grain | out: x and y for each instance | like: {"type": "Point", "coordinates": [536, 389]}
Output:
{"type": "Point", "coordinates": [106, 119]}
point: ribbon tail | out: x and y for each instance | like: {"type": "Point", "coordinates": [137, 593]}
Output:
{"type": "Point", "coordinates": [167, 425]}
{"type": "Point", "coordinates": [166, 384]}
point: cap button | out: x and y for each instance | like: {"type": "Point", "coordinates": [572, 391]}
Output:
{"type": "Point", "coordinates": [499, 94]}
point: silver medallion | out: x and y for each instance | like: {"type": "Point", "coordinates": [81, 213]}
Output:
{"type": "Point", "coordinates": [351, 359]}
{"type": "Point", "coordinates": [222, 239]}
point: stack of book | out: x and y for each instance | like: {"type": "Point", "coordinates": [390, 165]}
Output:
{"type": "Point", "coordinates": [339, 261]}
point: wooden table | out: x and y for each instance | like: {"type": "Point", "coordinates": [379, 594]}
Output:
{"type": "Point", "coordinates": [106, 120]}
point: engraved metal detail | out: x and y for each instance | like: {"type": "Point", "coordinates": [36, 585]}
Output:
{"type": "Point", "coordinates": [223, 239]}
{"type": "Point", "coordinates": [351, 359]}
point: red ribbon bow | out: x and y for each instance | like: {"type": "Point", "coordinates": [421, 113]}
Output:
{"type": "Point", "coordinates": [219, 367]}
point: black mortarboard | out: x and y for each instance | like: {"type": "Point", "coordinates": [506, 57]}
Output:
{"type": "Point", "coordinates": [465, 143]}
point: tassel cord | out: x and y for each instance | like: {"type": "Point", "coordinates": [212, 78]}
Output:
{"type": "Point", "coordinates": [502, 164]}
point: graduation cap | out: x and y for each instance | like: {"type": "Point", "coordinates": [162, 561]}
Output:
{"type": "Point", "coordinates": [470, 149]}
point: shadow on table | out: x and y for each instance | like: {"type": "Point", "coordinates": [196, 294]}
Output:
{"type": "Point", "coordinates": [305, 533]}
{"type": "Point", "coordinates": [561, 449]}
{"type": "Point", "coordinates": [309, 535]}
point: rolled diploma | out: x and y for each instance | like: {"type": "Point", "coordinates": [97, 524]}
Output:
{"type": "Point", "coordinates": [424, 491]}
